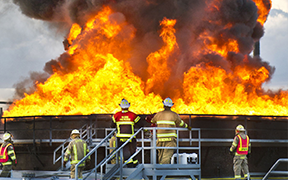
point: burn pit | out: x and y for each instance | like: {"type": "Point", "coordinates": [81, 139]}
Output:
{"type": "Point", "coordinates": [196, 52]}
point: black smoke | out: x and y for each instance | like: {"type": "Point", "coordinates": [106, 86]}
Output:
{"type": "Point", "coordinates": [223, 20]}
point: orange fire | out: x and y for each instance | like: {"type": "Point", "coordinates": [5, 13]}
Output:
{"type": "Point", "coordinates": [100, 75]}
{"type": "Point", "coordinates": [263, 10]}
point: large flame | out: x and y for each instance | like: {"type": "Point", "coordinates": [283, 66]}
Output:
{"type": "Point", "coordinates": [99, 75]}
{"type": "Point", "coordinates": [263, 10]}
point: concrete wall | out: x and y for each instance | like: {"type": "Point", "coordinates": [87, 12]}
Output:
{"type": "Point", "coordinates": [216, 161]}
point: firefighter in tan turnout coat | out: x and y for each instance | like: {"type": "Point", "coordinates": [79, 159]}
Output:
{"type": "Point", "coordinates": [7, 155]}
{"type": "Point", "coordinates": [167, 138]}
{"type": "Point", "coordinates": [76, 150]}
{"type": "Point", "coordinates": [240, 149]}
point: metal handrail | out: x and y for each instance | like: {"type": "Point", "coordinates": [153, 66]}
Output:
{"type": "Point", "coordinates": [84, 132]}
{"type": "Point", "coordinates": [121, 154]}
{"type": "Point", "coordinates": [274, 167]}
{"type": "Point", "coordinates": [91, 152]}
{"type": "Point", "coordinates": [114, 153]}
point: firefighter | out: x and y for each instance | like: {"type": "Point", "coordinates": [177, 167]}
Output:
{"type": "Point", "coordinates": [125, 121]}
{"type": "Point", "coordinates": [76, 150]}
{"type": "Point", "coordinates": [167, 138]}
{"type": "Point", "coordinates": [240, 149]}
{"type": "Point", "coordinates": [7, 155]}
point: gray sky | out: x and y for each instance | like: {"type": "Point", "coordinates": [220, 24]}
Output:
{"type": "Point", "coordinates": [27, 44]}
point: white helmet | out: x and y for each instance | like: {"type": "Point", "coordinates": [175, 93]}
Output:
{"type": "Point", "coordinates": [124, 104]}
{"type": "Point", "coordinates": [6, 136]}
{"type": "Point", "coordinates": [75, 131]}
{"type": "Point", "coordinates": [168, 102]}
{"type": "Point", "coordinates": [240, 128]}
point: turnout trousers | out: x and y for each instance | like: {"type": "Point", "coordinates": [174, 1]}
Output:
{"type": "Point", "coordinates": [164, 155]}
{"type": "Point", "coordinates": [6, 171]}
{"type": "Point", "coordinates": [128, 151]}
{"type": "Point", "coordinates": [240, 163]}
{"type": "Point", "coordinates": [72, 173]}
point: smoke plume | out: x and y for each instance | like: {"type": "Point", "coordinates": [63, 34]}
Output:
{"type": "Point", "coordinates": [223, 20]}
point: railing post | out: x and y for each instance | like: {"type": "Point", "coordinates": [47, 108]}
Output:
{"type": "Point", "coordinates": [121, 163]}
{"type": "Point", "coordinates": [4, 125]}
{"type": "Point", "coordinates": [154, 153]}
{"type": "Point", "coordinates": [76, 172]}
{"type": "Point", "coordinates": [96, 164]}
{"type": "Point", "coordinates": [34, 131]}
{"type": "Point", "coordinates": [90, 130]}
{"type": "Point", "coordinates": [50, 132]}
{"type": "Point", "coordinates": [62, 157]}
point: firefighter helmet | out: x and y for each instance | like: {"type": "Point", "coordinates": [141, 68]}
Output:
{"type": "Point", "coordinates": [124, 104]}
{"type": "Point", "coordinates": [75, 131]}
{"type": "Point", "coordinates": [240, 128]}
{"type": "Point", "coordinates": [168, 102]}
{"type": "Point", "coordinates": [7, 136]}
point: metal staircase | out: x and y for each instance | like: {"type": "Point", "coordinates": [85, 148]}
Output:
{"type": "Point", "coordinates": [148, 167]}
{"type": "Point", "coordinates": [87, 133]}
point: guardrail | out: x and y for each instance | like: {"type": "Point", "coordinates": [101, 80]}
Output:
{"type": "Point", "coordinates": [272, 170]}
{"type": "Point", "coordinates": [87, 132]}
{"type": "Point", "coordinates": [152, 166]}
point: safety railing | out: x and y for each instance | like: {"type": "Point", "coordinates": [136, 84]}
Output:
{"type": "Point", "coordinates": [151, 167]}
{"type": "Point", "coordinates": [87, 132]}
{"type": "Point", "coordinates": [105, 142]}
{"type": "Point", "coordinates": [272, 169]}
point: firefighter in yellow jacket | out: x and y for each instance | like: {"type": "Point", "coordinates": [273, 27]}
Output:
{"type": "Point", "coordinates": [240, 149]}
{"type": "Point", "coordinates": [7, 155]}
{"type": "Point", "coordinates": [76, 150]}
{"type": "Point", "coordinates": [167, 138]}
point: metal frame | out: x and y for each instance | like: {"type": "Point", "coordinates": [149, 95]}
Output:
{"type": "Point", "coordinates": [272, 169]}
{"type": "Point", "coordinates": [87, 132]}
{"type": "Point", "coordinates": [95, 140]}
{"type": "Point", "coordinates": [150, 169]}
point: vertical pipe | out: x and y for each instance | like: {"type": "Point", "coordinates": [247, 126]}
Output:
{"type": "Point", "coordinates": [246, 125]}
{"type": "Point", "coordinates": [4, 125]}
{"type": "Point", "coordinates": [154, 149]}
{"type": "Point", "coordinates": [34, 131]}
{"type": "Point", "coordinates": [190, 132]}
{"type": "Point", "coordinates": [1, 112]}
{"type": "Point", "coordinates": [90, 130]}
{"type": "Point", "coordinates": [256, 51]}
{"type": "Point", "coordinates": [177, 145]}
{"type": "Point", "coordinates": [121, 163]}
{"type": "Point", "coordinates": [142, 144]}
{"type": "Point", "coordinates": [50, 133]}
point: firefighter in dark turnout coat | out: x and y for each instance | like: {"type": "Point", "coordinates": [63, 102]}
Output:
{"type": "Point", "coordinates": [125, 122]}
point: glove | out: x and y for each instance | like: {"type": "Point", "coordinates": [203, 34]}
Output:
{"type": "Point", "coordinates": [88, 162]}
{"type": "Point", "coordinates": [14, 163]}
{"type": "Point", "coordinates": [189, 128]}
{"type": "Point", "coordinates": [64, 163]}
{"type": "Point", "coordinates": [248, 155]}
{"type": "Point", "coordinates": [231, 153]}
{"type": "Point", "coordinates": [1, 165]}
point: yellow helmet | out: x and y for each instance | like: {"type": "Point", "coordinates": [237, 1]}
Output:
{"type": "Point", "coordinates": [240, 128]}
